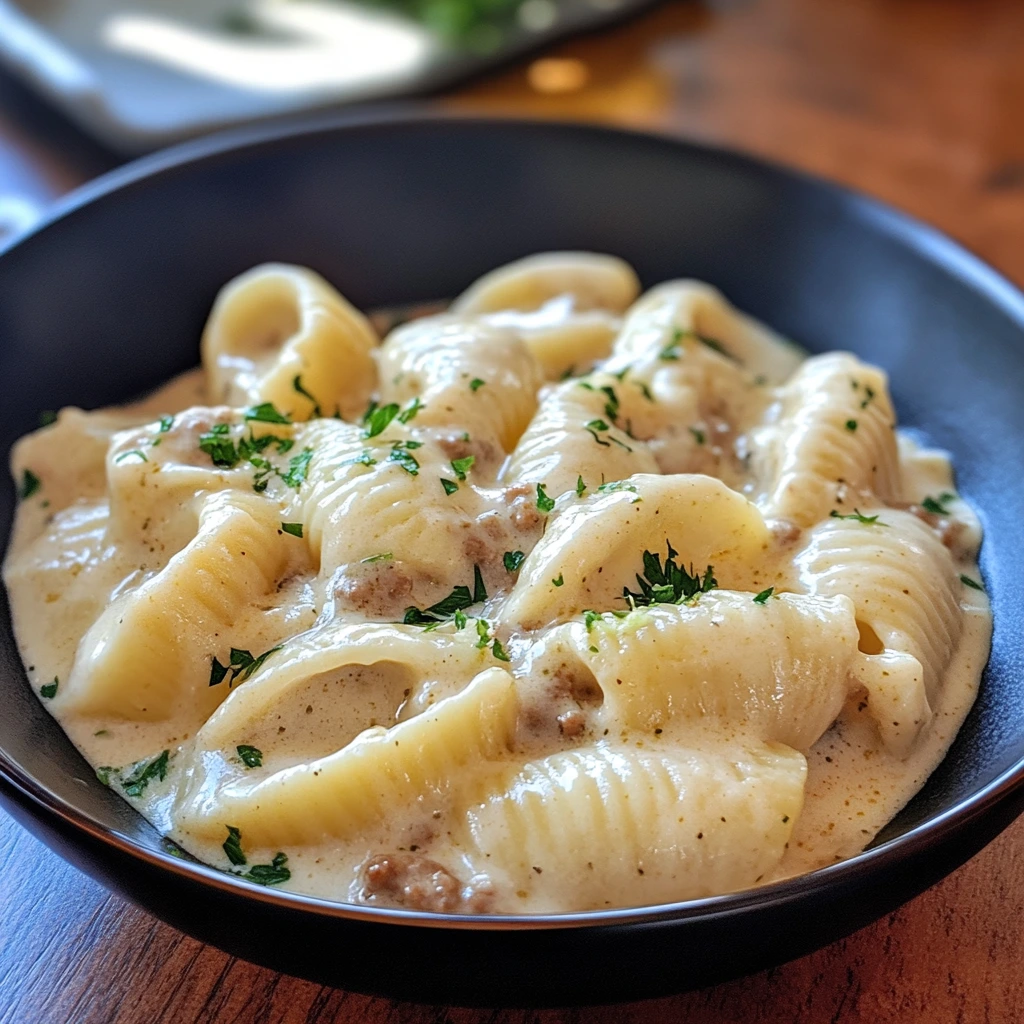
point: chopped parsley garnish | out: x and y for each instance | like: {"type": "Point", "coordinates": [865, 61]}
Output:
{"type": "Point", "coordinates": [851, 425]}
{"type": "Point", "coordinates": [544, 503]}
{"type": "Point", "coordinates": [581, 487]}
{"type": "Point", "coordinates": [241, 665]}
{"type": "Point", "coordinates": [611, 407]}
{"type": "Point", "coordinates": [590, 617]}
{"type": "Point", "coordinates": [233, 846]}
{"type": "Point", "coordinates": [476, 384]}
{"type": "Point", "coordinates": [384, 556]}
{"type": "Point", "coordinates": [104, 772]}
{"type": "Point", "coordinates": [644, 389]}
{"type": "Point", "coordinates": [869, 393]}
{"type": "Point", "coordinates": [672, 351]}
{"type": "Point", "coordinates": [251, 757]}
{"type": "Point", "coordinates": [698, 435]}
{"type": "Point", "coordinates": [297, 385]}
{"type": "Point", "coordinates": [462, 466]}
{"type": "Point", "coordinates": [973, 584]}
{"type": "Point", "coordinates": [49, 690]}
{"type": "Point", "coordinates": [219, 446]}
{"type": "Point", "coordinates": [498, 651]}
{"type": "Point", "coordinates": [134, 451]}
{"type": "Point", "coordinates": [864, 520]}
{"type": "Point", "coordinates": [295, 529]}
{"type": "Point", "coordinates": [458, 599]}
{"type": "Point", "coordinates": [264, 413]}
{"type": "Point", "coordinates": [144, 772]}
{"type": "Point", "coordinates": [30, 483]}
{"type": "Point", "coordinates": [594, 427]}
{"type": "Point", "coordinates": [762, 598]}
{"type": "Point", "coordinates": [715, 345]}
{"type": "Point", "coordinates": [298, 467]}
{"type": "Point", "coordinates": [619, 485]}
{"type": "Point", "coordinates": [937, 506]}
{"type": "Point", "coordinates": [479, 590]}
{"type": "Point", "coordinates": [379, 418]}
{"type": "Point", "coordinates": [460, 619]}
{"type": "Point", "coordinates": [270, 874]}
{"type": "Point", "coordinates": [166, 422]}
{"type": "Point", "coordinates": [461, 597]}
{"type": "Point", "coordinates": [483, 632]}
{"type": "Point", "coordinates": [512, 560]}
{"type": "Point", "coordinates": [668, 583]}
{"type": "Point", "coordinates": [560, 581]}
{"type": "Point", "coordinates": [364, 458]}
{"type": "Point", "coordinates": [409, 412]}
{"type": "Point", "coordinates": [400, 453]}
{"type": "Point", "coordinates": [450, 486]}
{"type": "Point", "coordinates": [46, 417]}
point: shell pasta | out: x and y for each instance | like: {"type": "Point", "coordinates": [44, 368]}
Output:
{"type": "Point", "coordinates": [566, 598]}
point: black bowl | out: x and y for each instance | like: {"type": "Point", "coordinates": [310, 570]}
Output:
{"type": "Point", "coordinates": [108, 298]}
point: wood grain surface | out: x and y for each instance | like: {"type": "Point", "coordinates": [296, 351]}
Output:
{"type": "Point", "coordinates": [919, 102]}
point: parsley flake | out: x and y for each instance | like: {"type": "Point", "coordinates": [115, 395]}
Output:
{"type": "Point", "coordinates": [479, 590]}
{"type": "Point", "coordinates": [476, 384]}
{"type": "Point", "coordinates": [400, 454]}
{"type": "Point", "coordinates": [864, 520]}
{"type": "Point", "coordinates": [166, 422]}
{"type": "Point", "coordinates": [241, 665]}
{"type": "Point", "coordinates": [462, 466]}
{"type": "Point", "coordinates": [581, 487]}
{"type": "Point", "coordinates": [377, 419]}
{"type": "Point", "coordinates": [937, 506]}
{"type": "Point", "coordinates": [30, 483]}
{"type": "Point", "coordinates": [409, 412]}
{"type": "Point", "coordinates": [698, 435]}
{"type": "Point", "coordinates": [219, 446]}
{"type": "Point", "coordinates": [973, 584]}
{"type": "Point", "coordinates": [269, 874]}
{"type": "Point", "coordinates": [49, 690]}
{"type": "Point", "coordinates": [668, 583]}
{"type": "Point", "coordinates": [483, 632]}
{"type": "Point", "coordinates": [512, 560]}
{"type": "Point", "coordinates": [232, 846]}
{"type": "Point", "coordinates": [498, 651]}
{"type": "Point", "coordinates": [251, 757]}
{"type": "Point", "coordinates": [558, 582]}
{"type": "Point", "coordinates": [450, 486]}
{"type": "Point", "coordinates": [134, 451]}
{"type": "Point", "coordinates": [295, 529]}
{"type": "Point", "coordinates": [458, 599]}
{"type": "Point", "coordinates": [384, 556]}
{"type": "Point", "coordinates": [851, 425]}
{"type": "Point", "coordinates": [297, 385]}
{"type": "Point", "coordinates": [762, 598]}
{"type": "Point", "coordinates": [144, 772]}
{"type": "Point", "coordinates": [544, 503]}
{"type": "Point", "coordinates": [298, 467]}
{"type": "Point", "coordinates": [266, 412]}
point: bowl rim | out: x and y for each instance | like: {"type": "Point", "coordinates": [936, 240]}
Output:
{"type": "Point", "coordinates": [926, 241]}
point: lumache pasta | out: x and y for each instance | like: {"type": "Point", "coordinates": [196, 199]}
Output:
{"type": "Point", "coordinates": [564, 598]}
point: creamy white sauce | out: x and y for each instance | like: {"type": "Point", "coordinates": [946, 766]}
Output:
{"type": "Point", "coordinates": [69, 561]}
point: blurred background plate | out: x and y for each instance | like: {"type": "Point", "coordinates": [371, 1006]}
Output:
{"type": "Point", "coordinates": [143, 75]}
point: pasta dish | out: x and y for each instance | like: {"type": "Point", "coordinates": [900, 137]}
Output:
{"type": "Point", "coordinates": [561, 598]}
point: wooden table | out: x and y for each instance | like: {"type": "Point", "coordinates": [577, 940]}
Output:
{"type": "Point", "coordinates": [919, 102]}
